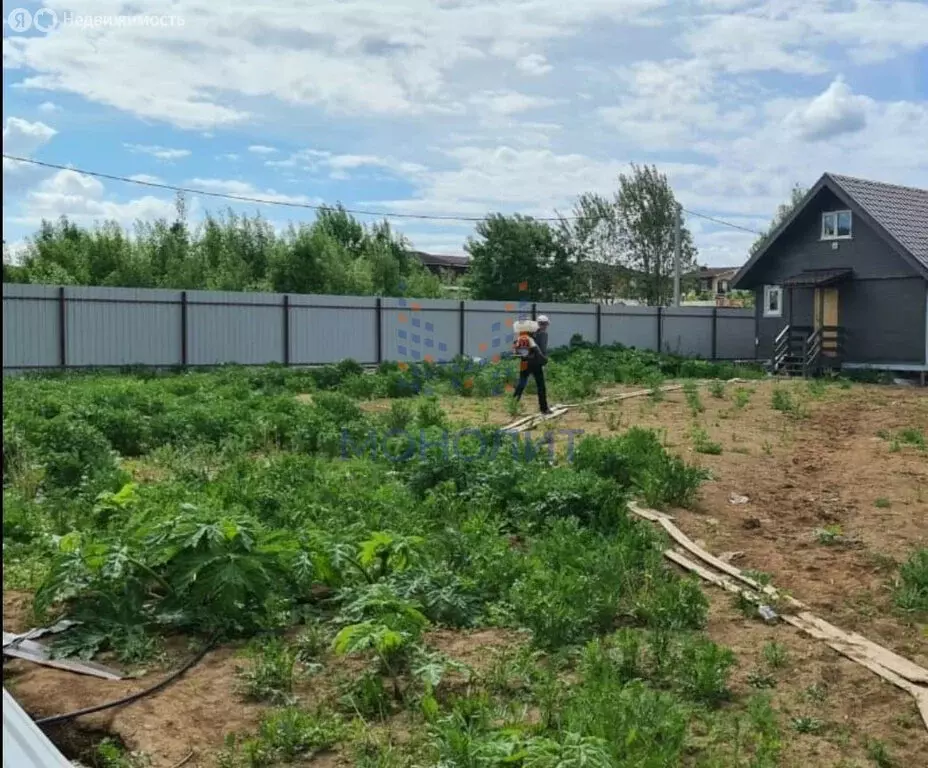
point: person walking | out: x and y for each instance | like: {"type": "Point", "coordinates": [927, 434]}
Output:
{"type": "Point", "coordinates": [534, 366]}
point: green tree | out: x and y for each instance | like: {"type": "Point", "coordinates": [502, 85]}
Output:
{"type": "Point", "coordinates": [646, 220]}
{"type": "Point", "coordinates": [797, 194]}
{"type": "Point", "coordinates": [595, 241]}
{"type": "Point", "coordinates": [335, 254]}
{"type": "Point", "coordinates": [517, 257]}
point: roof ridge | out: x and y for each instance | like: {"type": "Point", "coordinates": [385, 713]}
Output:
{"type": "Point", "coordinates": [840, 176]}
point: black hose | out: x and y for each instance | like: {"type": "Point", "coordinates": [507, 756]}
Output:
{"type": "Point", "coordinates": [133, 697]}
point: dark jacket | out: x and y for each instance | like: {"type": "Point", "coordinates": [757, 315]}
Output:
{"type": "Point", "coordinates": [539, 356]}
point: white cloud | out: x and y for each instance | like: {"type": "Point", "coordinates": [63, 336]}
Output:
{"type": "Point", "coordinates": [339, 165]}
{"type": "Point", "coordinates": [667, 104]}
{"type": "Point", "coordinates": [506, 103]}
{"type": "Point", "coordinates": [350, 58]}
{"type": "Point", "coordinates": [229, 156]}
{"type": "Point", "coordinates": [160, 153]}
{"type": "Point", "coordinates": [240, 188]}
{"type": "Point", "coordinates": [48, 107]}
{"type": "Point", "coordinates": [82, 199]}
{"type": "Point", "coordinates": [22, 138]}
{"type": "Point", "coordinates": [145, 177]}
{"type": "Point", "coordinates": [261, 149]}
{"type": "Point", "coordinates": [836, 111]}
{"type": "Point", "coordinates": [533, 64]}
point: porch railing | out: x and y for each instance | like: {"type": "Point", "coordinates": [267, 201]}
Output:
{"type": "Point", "coordinates": [806, 350]}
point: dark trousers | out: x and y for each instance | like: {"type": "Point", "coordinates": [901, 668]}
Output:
{"type": "Point", "coordinates": [539, 375]}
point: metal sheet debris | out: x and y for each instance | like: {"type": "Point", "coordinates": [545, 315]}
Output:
{"type": "Point", "coordinates": [20, 648]}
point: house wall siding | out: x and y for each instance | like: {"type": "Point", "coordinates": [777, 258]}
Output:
{"type": "Point", "coordinates": [884, 320]}
{"type": "Point", "coordinates": [882, 307]}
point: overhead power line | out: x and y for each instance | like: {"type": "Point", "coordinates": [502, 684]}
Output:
{"type": "Point", "coordinates": [722, 221]}
{"type": "Point", "coordinates": [307, 206]}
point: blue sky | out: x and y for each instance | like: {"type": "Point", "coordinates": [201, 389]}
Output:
{"type": "Point", "coordinates": [460, 106]}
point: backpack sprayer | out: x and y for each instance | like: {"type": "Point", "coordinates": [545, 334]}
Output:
{"type": "Point", "coordinates": [524, 343]}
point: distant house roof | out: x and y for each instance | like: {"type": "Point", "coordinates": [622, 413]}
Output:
{"type": "Point", "coordinates": [898, 214]}
{"type": "Point", "coordinates": [438, 260]}
{"type": "Point", "coordinates": [713, 271]}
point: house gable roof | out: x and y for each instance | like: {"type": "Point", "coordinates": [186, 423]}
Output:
{"type": "Point", "coordinates": [897, 214]}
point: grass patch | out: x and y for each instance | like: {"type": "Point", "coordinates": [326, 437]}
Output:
{"type": "Point", "coordinates": [702, 443]}
{"type": "Point", "coordinates": [911, 588]}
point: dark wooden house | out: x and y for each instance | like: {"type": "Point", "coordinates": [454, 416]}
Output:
{"type": "Point", "coordinates": [843, 280]}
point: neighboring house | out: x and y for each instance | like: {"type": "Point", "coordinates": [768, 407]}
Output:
{"type": "Point", "coordinates": [843, 280]}
{"type": "Point", "coordinates": [716, 281]}
{"type": "Point", "coordinates": [444, 265]}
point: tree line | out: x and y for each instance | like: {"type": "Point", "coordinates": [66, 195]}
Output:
{"type": "Point", "coordinates": [608, 245]}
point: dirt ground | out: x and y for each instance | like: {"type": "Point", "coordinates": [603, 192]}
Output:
{"type": "Point", "coordinates": [834, 503]}
{"type": "Point", "coordinates": [835, 465]}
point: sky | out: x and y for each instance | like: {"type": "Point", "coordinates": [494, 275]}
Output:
{"type": "Point", "coordinates": [457, 107]}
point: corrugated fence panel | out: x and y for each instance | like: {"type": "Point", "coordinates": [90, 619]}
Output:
{"type": "Point", "coordinates": [630, 326]}
{"type": "Point", "coordinates": [488, 326]}
{"type": "Point", "coordinates": [122, 326]}
{"type": "Point", "coordinates": [735, 339]}
{"type": "Point", "coordinates": [227, 327]}
{"type": "Point", "coordinates": [326, 329]}
{"type": "Point", "coordinates": [30, 326]}
{"type": "Point", "coordinates": [687, 331]}
{"type": "Point", "coordinates": [24, 743]}
{"type": "Point", "coordinates": [126, 326]}
{"type": "Point", "coordinates": [420, 329]}
{"type": "Point", "coordinates": [567, 320]}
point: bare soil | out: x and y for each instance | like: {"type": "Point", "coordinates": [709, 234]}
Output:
{"type": "Point", "coordinates": [826, 467]}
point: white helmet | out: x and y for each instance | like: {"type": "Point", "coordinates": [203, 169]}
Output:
{"type": "Point", "coordinates": [543, 320]}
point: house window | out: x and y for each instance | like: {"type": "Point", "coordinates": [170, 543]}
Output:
{"type": "Point", "coordinates": [723, 286]}
{"type": "Point", "coordinates": [836, 225]}
{"type": "Point", "coordinates": [773, 301]}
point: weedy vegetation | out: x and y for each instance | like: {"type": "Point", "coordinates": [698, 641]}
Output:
{"type": "Point", "coordinates": [219, 506]}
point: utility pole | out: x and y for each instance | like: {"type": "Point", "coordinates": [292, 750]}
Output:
{"type": "Point", "coordinates": [677, 247]}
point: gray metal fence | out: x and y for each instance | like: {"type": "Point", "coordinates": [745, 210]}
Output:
{"type": "Point", "coordinates": [50, 327]}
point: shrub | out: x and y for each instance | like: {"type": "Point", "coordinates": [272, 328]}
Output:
{"type": "Point", "coordinates": [638, 460]}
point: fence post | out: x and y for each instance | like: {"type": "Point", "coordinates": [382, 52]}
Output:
{"type": "Point", "coordinates": [378, 328]}
{"type": "Point", "coordinates": [183, 328]}
{"type": "Point", "coordinates": [660, 329]}
{"type": "Point", "coordinates": [599, 325]}
{"type": "Point", "coordinates": [286, 329]}
{"type": "Point", "coordinates": [462, 318]}
{"type": "Point", "coordinates": [62, 329]}
{"type": "Point", "coordinates": [534, 311]}
{"type": "Point", "coordinates": [715, 332]}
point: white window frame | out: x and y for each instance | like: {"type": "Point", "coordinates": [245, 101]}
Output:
{"type": "Point", "coordinates": [768, 290]}
{"type": "Point", "coordinates": [836, 236]}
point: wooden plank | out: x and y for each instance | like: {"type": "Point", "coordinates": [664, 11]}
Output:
{"type": "Point", "coordinates": [648, 514]}
{"type": "Point", "coordinates": [683, 540]}
{"type": "Point", "coordinates": [855, 653]}
{"type": "Point", "coordinates": [818, 629]}
{"type": "Point", "coordinates": [882, 656]}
